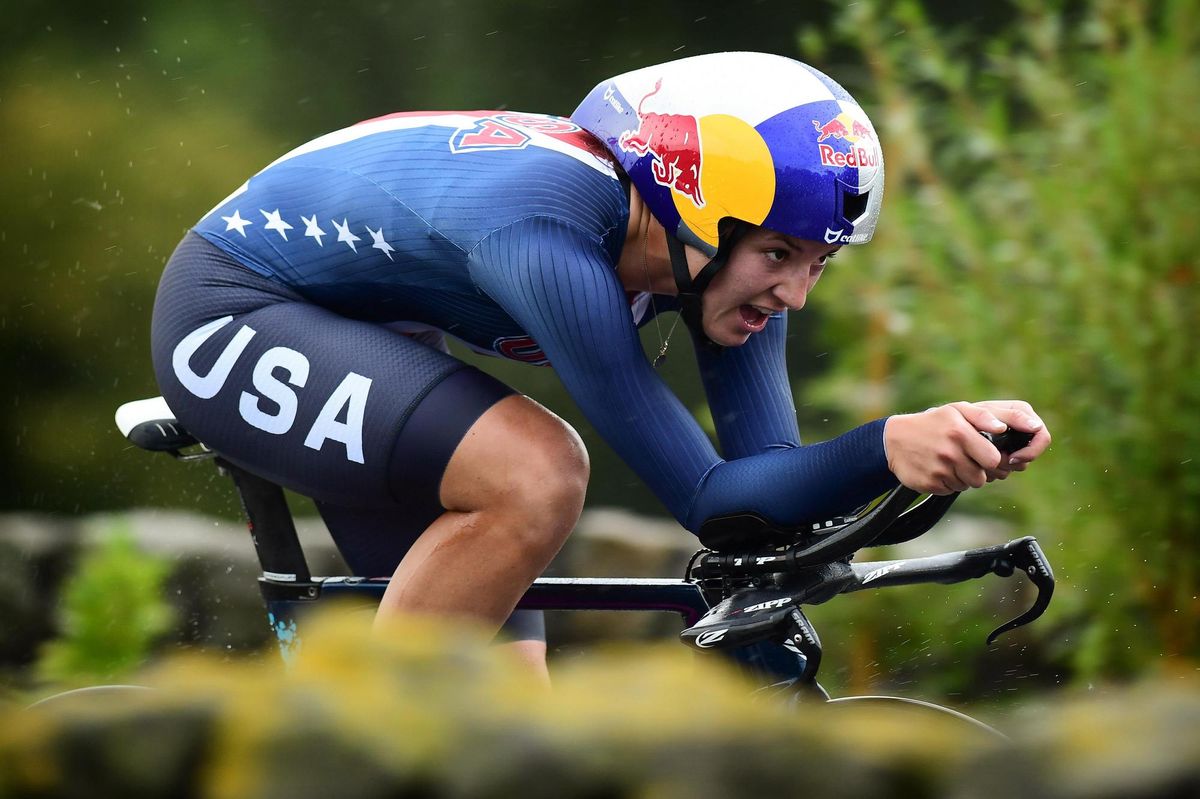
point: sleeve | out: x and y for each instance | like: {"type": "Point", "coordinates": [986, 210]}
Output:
{"type": "Point", "coordinates": [749, 394]}
{"type": "Point", "coordinates": [557, 281]}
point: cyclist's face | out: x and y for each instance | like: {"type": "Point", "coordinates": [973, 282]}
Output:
{"type": "Point", "coordinates": [767, 272]}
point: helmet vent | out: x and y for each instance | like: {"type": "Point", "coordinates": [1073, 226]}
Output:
{"type": "Point", "coordinates": [854, 206]}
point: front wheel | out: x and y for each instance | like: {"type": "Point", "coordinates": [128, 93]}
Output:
{"type": "Point", "coordinates": [919, 710]}
{"type": "Point", "coordinates": [89, 696]}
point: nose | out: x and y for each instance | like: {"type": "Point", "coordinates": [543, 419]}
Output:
{"type": "Point", "coordinates": [793, 290]}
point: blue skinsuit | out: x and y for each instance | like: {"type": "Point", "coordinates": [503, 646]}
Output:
{"type": "Point", "coordinates": [503, 230]}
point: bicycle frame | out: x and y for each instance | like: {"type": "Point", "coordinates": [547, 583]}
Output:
{"type": "Point", "coordinates": [745, 605]}
{"type": "Point", "coordinates": [772, 639]}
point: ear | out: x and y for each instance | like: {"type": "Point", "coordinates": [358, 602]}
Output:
{"type": "Point", "coordinates": [732, 228]}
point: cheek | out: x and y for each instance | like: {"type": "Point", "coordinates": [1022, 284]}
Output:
{"type": "Point", "coordinates": [742, 278]}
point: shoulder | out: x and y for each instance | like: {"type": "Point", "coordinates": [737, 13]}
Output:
{"type": "Point", "coordinates": [543, 162]}
{"type": "Point", "coordinates": [471, 172]}
{"type": "Point", "coordinates": [528, 169]}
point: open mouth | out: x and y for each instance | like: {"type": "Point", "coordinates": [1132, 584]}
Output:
{"type": "Point", "coordinates": [754, 319]}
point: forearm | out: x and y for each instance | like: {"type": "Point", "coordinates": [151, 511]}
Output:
{"type": "Point", "coordinates": [801, 485]}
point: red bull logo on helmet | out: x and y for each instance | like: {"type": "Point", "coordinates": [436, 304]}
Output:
{"type": "Point", "coordinates": [852, 131]}
{"type": "Point", "coordinates": [674, 142]}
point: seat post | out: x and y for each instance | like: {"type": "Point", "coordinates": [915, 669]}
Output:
{"type": "Point", "coordinates": [271, 526]}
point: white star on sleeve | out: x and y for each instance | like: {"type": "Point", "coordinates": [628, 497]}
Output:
{"type": "Point", "coordinates": [275, 222]}
{"type": "Point", "coordinates": [236, 222]}
{"type": "Point", "coordinates": [380, 244]}
{"type": "Point", "coordinates": [344, 233]}
{"type": "Point", "coordinates": [311, 228]}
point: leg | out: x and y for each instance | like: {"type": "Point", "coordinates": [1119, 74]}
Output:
{"type": "Point", "coordinates": [532, 655]}
{"type": "Point", "coordinates": [513, 491]}
{"type": "Point", "coordinates": [523, 638]}
{"type": "Point", "coordinates": [358, 416]}
{"type": "Point", "coordinates": [373, 542]}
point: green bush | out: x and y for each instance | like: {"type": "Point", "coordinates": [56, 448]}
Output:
{"type": "Point", "coordinates": [431, 711]}
{"type": "Point", "coordinates": [112, 611]}
{"type": "Point", "coordinates": [1039, 241]}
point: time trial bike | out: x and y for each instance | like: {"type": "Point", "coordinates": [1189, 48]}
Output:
{"type": "Point", "coordinates": [742, 596]}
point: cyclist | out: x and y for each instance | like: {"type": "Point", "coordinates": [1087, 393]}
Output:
{"type": "Point", "coordinates": [298, 327]}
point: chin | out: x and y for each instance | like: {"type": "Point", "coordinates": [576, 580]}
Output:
{"type": "Point", "coordinates": [727, 339]}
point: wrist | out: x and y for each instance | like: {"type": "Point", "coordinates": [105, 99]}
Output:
{"type": "Point", "coordinates": [889, 438]}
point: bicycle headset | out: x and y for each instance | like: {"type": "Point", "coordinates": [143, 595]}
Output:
{"type": "Point", "coordinates": [717, 143]}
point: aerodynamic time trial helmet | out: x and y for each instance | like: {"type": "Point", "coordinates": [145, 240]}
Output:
{"type": "Point", "coordinates": [753, 137]}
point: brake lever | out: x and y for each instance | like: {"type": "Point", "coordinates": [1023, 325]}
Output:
{"type": "Point", "coordinates": [1026, 555]}
{"type": "Point", "coordinates": [803, 640]}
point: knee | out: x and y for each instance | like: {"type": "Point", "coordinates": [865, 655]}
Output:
{"type": "Point", "coordinates": [554, 472]}
{"type": "Point", "coordinates": [524, 460]}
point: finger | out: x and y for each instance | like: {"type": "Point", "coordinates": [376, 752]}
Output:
{"type": "Point", "coordinates": [1036, 446]}
{"type": "Point", "coordinates": [1020, 415]}
{"type": "Point", "coordinates": [1017, 413]}
{"type": "Point", "coordinates": [970, 476]}
{"type": "Point", "coordinates": [947, 489]}
{"type": "Point", "coordinates": [980, 417]}
{"type": "Point", "coordinates": [978, 448]}
{"type": "Point", "coordinates": [980, 451]}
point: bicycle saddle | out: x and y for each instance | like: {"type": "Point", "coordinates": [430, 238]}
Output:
{"type": "Point", "coordinates": [151, 425]}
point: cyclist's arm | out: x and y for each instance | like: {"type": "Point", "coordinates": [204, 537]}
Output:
{"type": "Point", "coordinates": [749, 395]}
{"type": "Point", "coordinates": [558, 283]}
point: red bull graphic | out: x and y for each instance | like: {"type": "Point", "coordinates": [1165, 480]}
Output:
{"type": "Point", "coordinates": [674, 141]}
{"type": "Point", "coordinates": [835, 127]}
{"type": "Point", "coordinates": [852, 131]}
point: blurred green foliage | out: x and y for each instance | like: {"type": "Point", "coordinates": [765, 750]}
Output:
{"type": "Point", "coordinates": [124, 123]}
{"type": "Point", "coordinates": [112, 611]}
{"type": "Point", "coordinates": [416, 710]}
{"type": "Point", "coordinates": [1039, 242]}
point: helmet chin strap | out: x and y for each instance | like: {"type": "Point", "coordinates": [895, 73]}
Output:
{"type": "Point", "coordinates": [690, 289]}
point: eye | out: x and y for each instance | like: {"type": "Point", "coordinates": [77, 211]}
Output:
{"type": "Point", "coordinates": [826, 258]}
{"type": "Point", "coordinates": [776, 256]}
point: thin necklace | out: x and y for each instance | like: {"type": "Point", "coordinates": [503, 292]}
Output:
{"type": "Point", "coordinates": [662, 352]}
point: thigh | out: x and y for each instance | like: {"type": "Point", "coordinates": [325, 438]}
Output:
{"type": "Point", "coordinates": [314, 401]}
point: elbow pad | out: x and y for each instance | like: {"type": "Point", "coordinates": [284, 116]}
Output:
{"type": "Point", "coordinates": [745, 529]}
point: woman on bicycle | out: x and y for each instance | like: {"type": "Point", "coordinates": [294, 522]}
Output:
{"type": "Point", "coordinates": [298, 328]}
